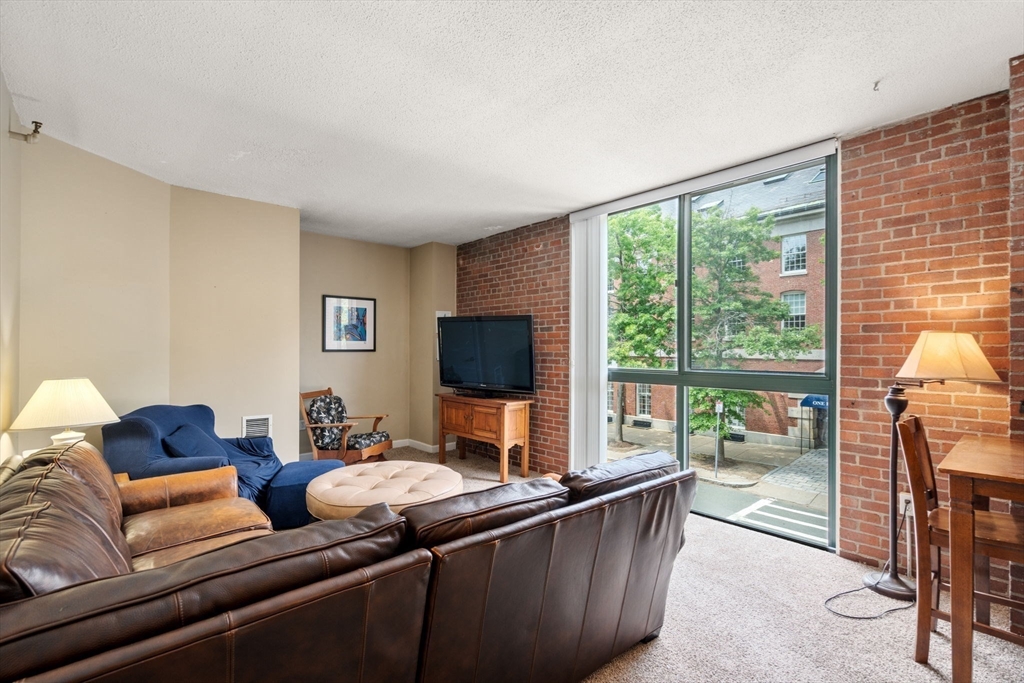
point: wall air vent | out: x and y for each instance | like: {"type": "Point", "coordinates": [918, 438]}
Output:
{"type": "Point", "coordinates": [255, 426]}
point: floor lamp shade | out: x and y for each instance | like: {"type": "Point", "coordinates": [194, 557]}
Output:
{"type": "Point", "coordinates": [64, 403]}
{"type": "Point", "coordinates": [947, 356]}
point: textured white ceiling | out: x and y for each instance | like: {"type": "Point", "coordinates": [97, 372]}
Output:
{"type": "Point", "coordinates": [404, 123]}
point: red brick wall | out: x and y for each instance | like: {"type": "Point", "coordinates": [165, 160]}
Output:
{"type": "Point", "coordinates": [521, 271]}
{"type": "Point", "coordinates": [925, 208]}
{"type": "Point", "coordinates": [1017, 291]}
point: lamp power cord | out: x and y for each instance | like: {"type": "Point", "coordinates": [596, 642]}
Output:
{"type": "Point", "coordinates": [899, 533]}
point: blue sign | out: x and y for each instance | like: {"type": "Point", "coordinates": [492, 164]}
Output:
{"type": "Point", "coordinates": [815, 401]}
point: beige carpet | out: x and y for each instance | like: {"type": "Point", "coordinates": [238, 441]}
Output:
{"type": "Point", "coordinates": [747, 607]}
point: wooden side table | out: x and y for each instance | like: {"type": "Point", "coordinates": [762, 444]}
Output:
{"type": "Point", "coordinates": [504, 422]}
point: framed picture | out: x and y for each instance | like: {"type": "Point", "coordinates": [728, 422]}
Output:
{"type": "Point", "coordinates": [350, 324]}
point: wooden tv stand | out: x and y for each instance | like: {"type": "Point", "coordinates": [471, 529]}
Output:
{"type": "Point", "coordinates": [504, 422]}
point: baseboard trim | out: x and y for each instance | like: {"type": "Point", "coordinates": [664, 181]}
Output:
{"type": "Point", "coordinates": [420, 446]}
{"type": "Point", "coordinates": [399, 443]}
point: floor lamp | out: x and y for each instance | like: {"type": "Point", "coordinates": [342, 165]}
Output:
{"type": "Point", "coordinates": [936, 357]}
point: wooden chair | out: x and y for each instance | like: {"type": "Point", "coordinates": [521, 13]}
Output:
{"type": "Point", "coordinates": [372, 453]}
{"type": "Point", "coordinates": [996, 535]}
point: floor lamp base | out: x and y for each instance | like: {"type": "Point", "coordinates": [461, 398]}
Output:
{"type": "Point", "coordinates": [890, 585]}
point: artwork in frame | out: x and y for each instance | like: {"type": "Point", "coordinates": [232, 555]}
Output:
{"type": "Point", "coordinates": [350, 323]}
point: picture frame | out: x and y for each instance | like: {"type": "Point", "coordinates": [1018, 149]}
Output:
{"type": "Point", "coordinates": [349, 323]}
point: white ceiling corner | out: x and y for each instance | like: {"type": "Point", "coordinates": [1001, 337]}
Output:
{"type": "Point", "coordinates": [404, 123]}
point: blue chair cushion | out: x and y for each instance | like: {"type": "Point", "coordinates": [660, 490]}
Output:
{"type": "Point", "coordinates": [189, 441]}
{"type": "Point", "coordinates": [286, 496]}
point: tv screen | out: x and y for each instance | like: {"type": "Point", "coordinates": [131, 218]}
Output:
{"type": "Point", "coordinates": [489, 353]}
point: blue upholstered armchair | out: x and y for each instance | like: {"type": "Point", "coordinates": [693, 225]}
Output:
{"type": "Point", "coordinates": [159, 440]}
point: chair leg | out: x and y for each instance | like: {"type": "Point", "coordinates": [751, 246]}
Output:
{"type": "Point", "coordinates": [981, 583]}
{"type": "Point", "coordinates": [927, 584]}
{"type": "Point", "coordinates": [936, 581]}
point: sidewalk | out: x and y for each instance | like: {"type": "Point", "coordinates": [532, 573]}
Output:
{"type": "Point", "coordinates": [780, 472]}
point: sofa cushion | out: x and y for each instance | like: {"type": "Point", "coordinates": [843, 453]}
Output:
{"type": "Point", "coordinates": [189, 441]}
{"type": "Point", "coordinates": [42, 481]}
{"type": "Point", "coordinates": [434, 523]}
{"type": "Point", "coordinates": [155, 530]}
{"type": "Point", "coordinates": [607, 477]}
{"type": "Point", "coordinates": [44, 548]}
{"type": "Point", "coordinates": [177, 553]}
{"type": "Point", "coordinates": [84, 463]}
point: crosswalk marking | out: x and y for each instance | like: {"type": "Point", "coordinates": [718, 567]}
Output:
{"type": "Point", "coordinates": [785, 531]}
{"type": "Point", "coordinates": [799, 512]}
{"type": "Point", "coordinates": [787, 519]}
{"type": "Point", "coordinates": [759, 514]}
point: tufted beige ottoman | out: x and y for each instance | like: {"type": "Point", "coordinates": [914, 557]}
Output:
{"type": "Point", "coordinates": [344, 492]}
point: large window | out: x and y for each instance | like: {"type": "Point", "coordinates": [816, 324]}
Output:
{"type": "Point", "coordinates": [726, 385]}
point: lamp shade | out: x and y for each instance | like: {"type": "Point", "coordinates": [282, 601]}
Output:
{"type": "Point", "coordinates": [953, 356]}
{"type": "Point", "coordinates": [64, 403]}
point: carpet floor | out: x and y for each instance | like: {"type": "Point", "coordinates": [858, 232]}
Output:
{"type": "Point", "coordinates": [747, 607]}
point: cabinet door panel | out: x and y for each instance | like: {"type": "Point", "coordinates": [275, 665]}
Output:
{"type": "Point", "coordinates": [456, 417]}
{"type": "Point", "coordinates": [487, 421]}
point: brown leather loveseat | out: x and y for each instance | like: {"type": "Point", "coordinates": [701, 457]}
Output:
{"type": "Point", "coordinates": [540, 581]}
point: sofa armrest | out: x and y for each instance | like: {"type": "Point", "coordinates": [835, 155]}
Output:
{"type": "Point", "coordinates": [154, 493]}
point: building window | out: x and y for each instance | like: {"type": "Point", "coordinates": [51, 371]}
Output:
{"type": "Point", "coordinates": [643, 400]}
{"type": "Point", "coordinates": [797, 310]}
{"type": "Point", "coordinates": [794, 254]}
{"type": "Point", "coordinates": [819, 176]}
{"type": "Point", "coordinates": [611, 397]}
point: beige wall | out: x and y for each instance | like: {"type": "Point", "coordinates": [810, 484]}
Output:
{"type": "Point", "coordinates": [376, 382]}
{"type": "Point", "coordinates": [432, 289]}
{"type": "Point", "coordinates": [95, 292]}
{"type": "Point", "coordinates": [234, 339]}
{"type": "Point", "coordinates": [10, 269]}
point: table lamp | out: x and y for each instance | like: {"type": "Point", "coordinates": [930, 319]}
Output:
{"type": "Point", "coordinates": [64, 403]}
{"type": "Point", "coordinates": [936, 357]}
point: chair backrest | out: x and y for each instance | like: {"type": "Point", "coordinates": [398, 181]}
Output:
{"type": "Point", "coordinates": [917, 458]}
{"type": "Point", "coordinates": [168, 418]}
{"type": "Point", "coordinates": [304, 397]}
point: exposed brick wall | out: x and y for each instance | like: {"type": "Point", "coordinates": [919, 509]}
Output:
{"type": "Point", "coordinates": [925, 208]}
{"type": "Point", "coordinates": [1017, 293]}
{"type": "Point", "coordinates": [521, 271]}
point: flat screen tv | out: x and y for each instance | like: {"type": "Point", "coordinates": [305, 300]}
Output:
{"type": "Point", "coordinates": [490, 353]}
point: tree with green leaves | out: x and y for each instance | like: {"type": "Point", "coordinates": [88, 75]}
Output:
{"type": "Point", "coordinates": [641, 301]}
{"type": "Point", "coordinates": [733, 318]}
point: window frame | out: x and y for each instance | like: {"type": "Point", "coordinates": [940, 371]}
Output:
{"type": "Point", "coordinates": [685, 376]}
{"type": "Point", "coordinates": [782, 256]}
{"type": "Point", "coordinates": [648, 390]}
{"type": "Point", "coordinates": [785, 323]}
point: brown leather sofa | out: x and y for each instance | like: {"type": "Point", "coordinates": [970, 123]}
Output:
{"type": "Point", "coordinates": [556, 582]}
{"type": "Point", "coordinates": [325, 602]}
{"type": "Point", "coordinates": [525, 582]}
